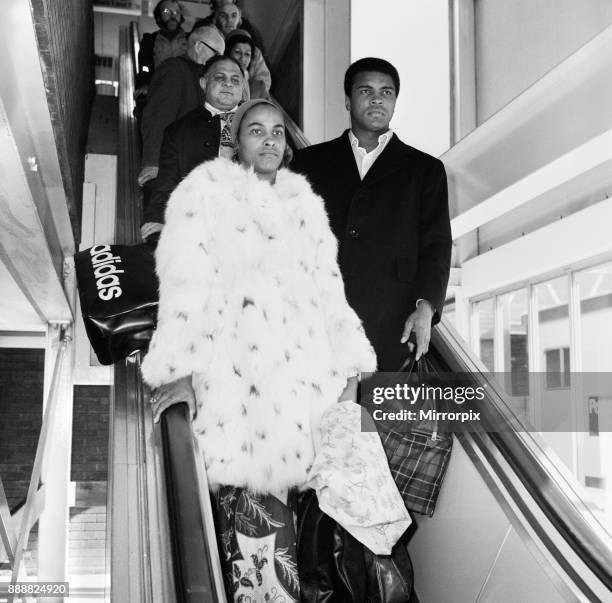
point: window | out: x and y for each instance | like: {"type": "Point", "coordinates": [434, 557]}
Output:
{"type": "Point", "coordinates": [557, 368]}
{"type": "Point", "coordinates": [514, 324]}
{"type": "Point", "coordinates": [537, 335]}
{"type": "Point", "coordinates": [484, 316]}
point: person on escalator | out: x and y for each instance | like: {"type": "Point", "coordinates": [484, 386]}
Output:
{"type": "Point", "coordinates": [170, 40]}
{"type": "Point", "coordinates": [255, 334]}
{"type": "Point", "coordinates": [227, 16]}
{"type": "Point", "coordinates": [202, 134]}
{"type": "Point", "coordinates": [174, 91]}
{"type": "Point", "coordinates": [388, 207]}
{"type": "Point", "coordinates": [239, 45]}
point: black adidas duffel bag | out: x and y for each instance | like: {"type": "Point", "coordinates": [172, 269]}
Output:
{"type": "Point", "coordinates": [118, 290]}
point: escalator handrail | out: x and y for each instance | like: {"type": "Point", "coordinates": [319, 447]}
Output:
{"type": "Point", "coordinates": [299, 139]}
{"type": "Point", "coordinates": [570, 515]}
{"type": "Point", "coordinates": [189, 556]}
{"type": "Point", "coordinates": [194, 572]}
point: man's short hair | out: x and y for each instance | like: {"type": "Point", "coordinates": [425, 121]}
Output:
{"type": "Point", "coordinates": [216, 59]}
{"type": "Point", "coordinates": [202, 28]}
{"type": "Point", "coordinates": [370, 64]}
{"type": "Point", "coordinates": [221, 3]}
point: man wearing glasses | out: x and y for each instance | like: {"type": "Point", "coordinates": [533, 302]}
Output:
{"type": "Point", "coordinates": [168, 41]}
{"type": "Point", "coordinates": [174, 91]}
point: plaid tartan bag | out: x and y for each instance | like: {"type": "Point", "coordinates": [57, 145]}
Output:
{"type": "Point", "coordinates": [418, 455]}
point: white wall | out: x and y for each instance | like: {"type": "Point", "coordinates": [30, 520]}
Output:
{"type": "Point", "coordinates": [326, 46]}
{"type": "Point", "coordinates": [564, 243]}
{"type": "Point", "coordinates": [414, 36]}
{"type": "Point", "coordinates": [518, 42]}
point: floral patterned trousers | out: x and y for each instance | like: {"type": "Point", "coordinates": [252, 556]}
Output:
{"type": "Point", "coordinates": [256, 534]}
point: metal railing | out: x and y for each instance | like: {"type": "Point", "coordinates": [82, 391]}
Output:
{"type": "Point", "coordinates": [15, 541]}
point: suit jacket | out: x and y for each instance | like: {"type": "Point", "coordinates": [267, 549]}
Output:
{"type": "Point", "coordinates": [187, 142]}
{"type": "Point", "coordinates": [174, 91]}
{"type": "Point", "coordinates": [393, 230]}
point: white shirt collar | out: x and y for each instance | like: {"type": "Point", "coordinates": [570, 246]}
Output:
{"type": "Point", "coordinates": [383, 139]}
{"type": "Point", "coordinates": [214, 111]}
{"type": "Point", "coordinates": [363, 159]}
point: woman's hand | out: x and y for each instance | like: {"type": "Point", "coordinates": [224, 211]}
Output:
{"type": "Point", "coordinates": [350, 391]}
{"type": "Point", "coordinates": [175, 392]}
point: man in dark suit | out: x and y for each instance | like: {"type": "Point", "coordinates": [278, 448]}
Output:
{"type": "Point", "coordinates": [388, 207]}
{"type": "Point", "coordinates": [202, 134]}
{"type": "Point", "coordinates": [173, 92]}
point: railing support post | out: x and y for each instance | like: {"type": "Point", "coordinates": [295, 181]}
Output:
{"type": "Point", "coordinates": [55, 475]}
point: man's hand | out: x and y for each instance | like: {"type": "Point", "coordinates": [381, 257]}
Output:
{"type": "Point", "coordinates": [173, 393]}
{"type": "Point", "coordinates": [148, 172]}
{"type": "Point", "coordinates": [149, 228]}
{"type": "Point", "coordinates": [420, 322]}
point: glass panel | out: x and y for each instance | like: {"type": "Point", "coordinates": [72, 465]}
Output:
{"type": "Point", "coordinates": [449, 314]}
{"type": "Point", "coordinates": [595, 295]}
{"type": "Point", "coordinates": [595, 288]}
{"type": "Point", "coordinates": [551, 402]}
{"type": "Point", "coordinates": [513, 307]}
{"type": "Point", "coordinates": [484, 317]}
{"type": "Point", "coordinates": [551, 298]}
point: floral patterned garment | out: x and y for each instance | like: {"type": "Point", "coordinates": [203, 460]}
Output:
{"type": "Point", "coordinates": [353, 481]}
{"type": "Point", "coordinates": [257, 543]}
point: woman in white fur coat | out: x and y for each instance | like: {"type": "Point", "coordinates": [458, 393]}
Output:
{"type": "Point", "coordinates": [255, 331]}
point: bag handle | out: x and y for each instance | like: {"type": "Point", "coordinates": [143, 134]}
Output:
{"type": "Point", "coordinates": [422, 365]}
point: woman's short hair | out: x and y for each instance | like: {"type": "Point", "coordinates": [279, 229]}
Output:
{"type": "Point", "coordinates": [238, 36]}
{"type": "Point", "coordinates": [370, 64]}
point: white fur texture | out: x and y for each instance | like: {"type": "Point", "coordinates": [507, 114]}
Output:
{"type": "Point", "coordinates": [252, 305]}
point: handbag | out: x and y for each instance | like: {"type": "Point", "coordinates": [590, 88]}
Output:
{"type": "Point", "coordinates": [334, 567]}
{"type": "Point", "coordinates": [418, 452]}
{"type": "Point", "coordinates": [118, 292]}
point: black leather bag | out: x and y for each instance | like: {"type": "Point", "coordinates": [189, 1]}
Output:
{"type": "Point", "coordinates": [334, 567]}
{"type": "Point", "coordinates": [118, 291]}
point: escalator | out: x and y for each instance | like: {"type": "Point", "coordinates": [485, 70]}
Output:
{"type": "Point", "coordinates": [550, 546]}
{"type": "Point", "coordinates": [162, 545]}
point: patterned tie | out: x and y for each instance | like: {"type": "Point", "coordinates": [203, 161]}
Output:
{"type": "Point", "coordinates": [226, 148]}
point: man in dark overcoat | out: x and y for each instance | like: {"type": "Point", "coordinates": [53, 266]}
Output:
{"type": "Point", "coordinates": [388, 207]}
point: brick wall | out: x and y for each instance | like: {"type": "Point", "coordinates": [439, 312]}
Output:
{"type": "Point", "coordinates": [90, 433]}
{"type": "Point", "coordinates": [64, 32]}
{"type": "Point", "coordinates": [21, 401]}
{"type": "Point", "coordinates": [89, 469]}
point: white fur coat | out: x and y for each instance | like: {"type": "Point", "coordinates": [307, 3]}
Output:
{"type": "Point", "coordinates": [252, 305]}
